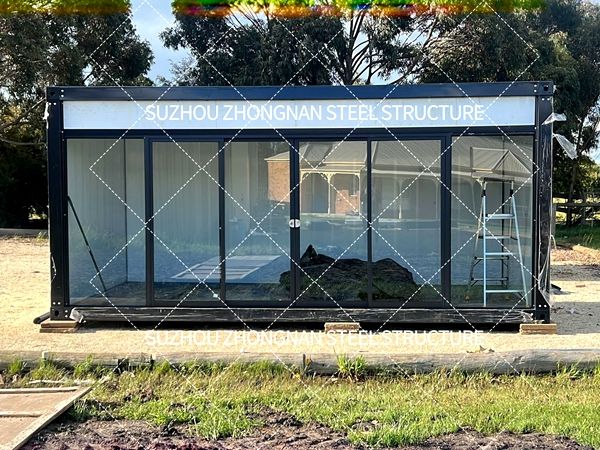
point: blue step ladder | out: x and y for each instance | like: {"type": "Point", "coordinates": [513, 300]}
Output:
{"type": "Point", "coordinates": [509, 224]}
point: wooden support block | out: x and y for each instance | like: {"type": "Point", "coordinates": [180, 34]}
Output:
{"type": "Point", "coordinates": [58, 326]}
{"type": "Point", "coordinates": [537, 328]}
{"type": "Point", "coordinates": [342, 327]}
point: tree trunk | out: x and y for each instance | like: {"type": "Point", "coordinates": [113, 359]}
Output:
{"type": "Point", "coordinates": [574, 170]}
{"type": "Point", "coordinates": [571, 192]}
{"type": "Point", "coordinates": [348, 75]}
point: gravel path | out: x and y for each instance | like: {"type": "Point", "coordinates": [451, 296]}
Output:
{"type": "Point", "coordinates": [24, 294]}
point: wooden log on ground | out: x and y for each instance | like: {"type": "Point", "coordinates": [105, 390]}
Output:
{"type": "Point", "coordinates": [295, 360]}
{"type": "Point", "coordinates": [70, 360]}
{"type": "Point", "coordinates": [28, 359]}
{"type": "Point", "coordinates": [513, 362]}
{"type": "Point", "coordinates": [23, 232]}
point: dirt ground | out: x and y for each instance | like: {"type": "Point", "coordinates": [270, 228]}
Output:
{"type": "Point", "coordinates": [24, 294]}
{"type": "Point", "coordinates": [279, 432]}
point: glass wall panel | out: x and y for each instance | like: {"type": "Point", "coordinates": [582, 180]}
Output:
{"type": "Point", "coordinates": [106, 208]}
{"type": "Point", "coordinates": [406, 222]}
{"type": "Point", "coordinates": [257, 199]}
{"type": "Point", "coordinates": [499, 163]}
{"type": "Point", "coordinates": [186, 221]}
{"type": "Point", "coordinates": [333, 213]}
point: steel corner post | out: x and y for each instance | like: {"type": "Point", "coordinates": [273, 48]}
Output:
{"type": "Point", "coordinates": [58, 208]}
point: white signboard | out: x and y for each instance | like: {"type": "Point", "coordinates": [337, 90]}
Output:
{"type": "Point", "coordinates": [280, 114]}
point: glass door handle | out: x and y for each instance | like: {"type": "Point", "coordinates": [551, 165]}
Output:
{"type": "Point", "coordinates": [294, 223]}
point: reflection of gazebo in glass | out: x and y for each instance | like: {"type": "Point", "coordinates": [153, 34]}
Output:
{"type": "Point", "coordinates": [491, 159]}
{"type": "Point", "coordinates": [493, 167]}
{"type": "Point", "coordinates": [405, 182]}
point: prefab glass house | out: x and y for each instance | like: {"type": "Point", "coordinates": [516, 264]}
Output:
{"type": "Point", "coordinates": [387, 204]}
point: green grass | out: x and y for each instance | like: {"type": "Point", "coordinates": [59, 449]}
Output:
{"type": "Point", "coordinates": [217, 400]}
{"type": "Point", "coordinates": [47, 370]}
{"type": "Point", "coordinates": [89, 369]}
{"type": "Point", "coordinates": [15, 368]}
{"type": "Point", "coordinates": [584, 235]}
{"type": "Point", "coordinates": [352, 368]}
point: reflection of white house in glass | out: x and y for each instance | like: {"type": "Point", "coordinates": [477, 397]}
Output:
{"type": "Point", "coordinates": [336, 176]}
{"type": "Point", "coordinates": [332, 180]}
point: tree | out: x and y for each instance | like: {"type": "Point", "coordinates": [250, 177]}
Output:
{"type": "Point", "coordinates": [585, 126]}
{"type": "Point", "coordinates": [39, 49]}
{"type": "Point", "coordinates": [482, 48]}
{"type": "Point", "coordinates": [560, 42]}
{"type": "Point", "coordinates": [383, 48]}
{"type": "Point", "coordinates": [267, 47]}
{"type": "Point", "coordinates": [256, 51]}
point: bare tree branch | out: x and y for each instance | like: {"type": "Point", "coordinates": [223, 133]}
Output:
{"type": "Point", "coordinates": [21, 144]}
{"type": "Point", "coordinates": [360, 56]}
{"type": "Point", "coordinates": [416, 61]}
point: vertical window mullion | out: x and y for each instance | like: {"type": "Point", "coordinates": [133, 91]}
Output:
{"type": "Point", "coordinates": [369, 224]}
{"type": "Point", "coordinates": [222, 221]}
{"type": "Point", "coordinates": [446, 217]}
{"type": "Point", "coordinates": [294, 215]}
{"type": "Point", "coordinates": [149, 212]}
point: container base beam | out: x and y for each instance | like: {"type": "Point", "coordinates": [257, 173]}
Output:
{"type": "Point", "coordinates": [461, 317]}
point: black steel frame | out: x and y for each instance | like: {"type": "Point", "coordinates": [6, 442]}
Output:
{"type": "Point", "coordinates": [432, 90]}
{"type": "Point", "coordinates": [57, 172]}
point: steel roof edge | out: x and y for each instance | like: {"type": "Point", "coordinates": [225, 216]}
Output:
{"type": "Point", "coordinates": [320, 92]}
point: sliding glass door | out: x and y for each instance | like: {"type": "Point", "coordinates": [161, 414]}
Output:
{"type": "Point", "coordinates": [396, 186]}
{"type": "Point", "coordinates": [492, 217]}
{"type": "Point", "coordinates": [257, 212]}
{"type": "Point", "coordinates": [327, 223]}
{"type": "Point", "coordinates": [333, 262]}
{"type": "Point", "coordinates": [219, 222]}
{"type": "Point", "coordinates": [185, 219]}
{"type": "Point", "coordinates": [105, 202]}
{"type": "Point", "coordinates": [406, 223]}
